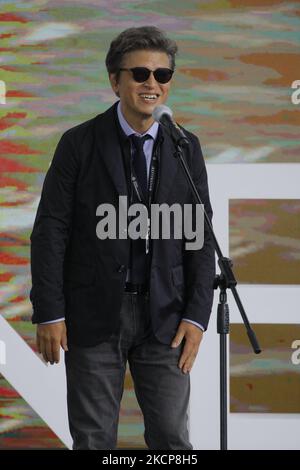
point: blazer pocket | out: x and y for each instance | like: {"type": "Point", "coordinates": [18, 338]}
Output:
{"type": "Point", "coordinates": [80, 273]}
{"type": "Point", "coordinates": [178, 275]}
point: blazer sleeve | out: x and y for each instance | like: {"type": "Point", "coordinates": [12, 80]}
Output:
{"type": "Point", "coordinates": [50, 233]}
{"type": "Point", "coordinates": [199, 265]}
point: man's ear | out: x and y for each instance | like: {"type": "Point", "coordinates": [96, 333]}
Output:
{"type": "Point", "coordinates": [114, 83]}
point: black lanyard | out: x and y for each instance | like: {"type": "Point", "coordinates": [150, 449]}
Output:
{"type": "Point", "coordinates": [152, 175]}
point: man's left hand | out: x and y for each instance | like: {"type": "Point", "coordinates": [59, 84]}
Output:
{"type": "Point", "coordinates": [193, 336]}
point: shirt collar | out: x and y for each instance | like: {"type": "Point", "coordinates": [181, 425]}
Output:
{"type": "Point", "coordinates": [128, 129]}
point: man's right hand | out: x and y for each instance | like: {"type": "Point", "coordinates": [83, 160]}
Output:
{"type": "Point", "coordinates": [49, 338]}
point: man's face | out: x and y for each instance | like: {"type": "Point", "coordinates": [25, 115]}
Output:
{"type": "Point", "coordinates": [135, 106]}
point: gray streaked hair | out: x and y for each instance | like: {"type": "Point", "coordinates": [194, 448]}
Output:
{"type": "Point", "coordinates": [141, 38]}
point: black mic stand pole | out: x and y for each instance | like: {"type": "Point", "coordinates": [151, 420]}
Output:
{"type": "Point", "coordinates": [223, 281]}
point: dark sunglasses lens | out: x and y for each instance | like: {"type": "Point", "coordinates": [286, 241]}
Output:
{"type": "Point", "coordinates": [140, 74]}
{"type": "Point", "coordinates": [163, 75]}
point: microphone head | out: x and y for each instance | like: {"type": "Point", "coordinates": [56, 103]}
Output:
{"type": "Point", "coordinates": [159, 111]}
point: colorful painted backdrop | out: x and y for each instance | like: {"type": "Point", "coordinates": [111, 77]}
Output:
{"type": "Point", "coordinates": [232, 87]}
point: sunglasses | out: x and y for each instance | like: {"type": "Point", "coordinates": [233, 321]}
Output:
{"type": "Point", "coordinates": [141, 74]}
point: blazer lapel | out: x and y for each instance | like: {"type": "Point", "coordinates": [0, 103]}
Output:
{"type": "Point", "coordinates": [107, 141]}
{"type": "Point", "coordinates": [168, 168]}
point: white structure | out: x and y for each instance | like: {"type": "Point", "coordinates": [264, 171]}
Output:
{"type": "Point", "coordinates": [263, 304]}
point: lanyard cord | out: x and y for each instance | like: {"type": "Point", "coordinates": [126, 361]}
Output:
{"type": "Point", "coordinates": [153, 172]}
{"type": "Point", "coordinates": [152, 176]}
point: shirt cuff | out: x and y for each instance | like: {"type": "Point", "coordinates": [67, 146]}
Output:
{"type": "Point", "coordinates": [52, 321]}
{"type": "Point", "coordinates": [194, 323]}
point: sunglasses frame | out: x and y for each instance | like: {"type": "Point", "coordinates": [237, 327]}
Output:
{"type": "Point", "coordinates": [132, 69]}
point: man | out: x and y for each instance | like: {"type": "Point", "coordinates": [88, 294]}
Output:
{"type": "Point", "coordinates": [105, 300]}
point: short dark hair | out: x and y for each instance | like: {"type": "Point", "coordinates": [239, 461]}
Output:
{"type": "Point", "coordinates": [134, 39]}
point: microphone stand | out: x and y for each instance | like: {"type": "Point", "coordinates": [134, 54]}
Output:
{"type": "Point", "coordinates": [223, 281]}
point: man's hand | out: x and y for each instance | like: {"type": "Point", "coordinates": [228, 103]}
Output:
{"type": "Point", "coordinates": [193, 336]}
{"type": "Point", "coordinates": [49, 338]}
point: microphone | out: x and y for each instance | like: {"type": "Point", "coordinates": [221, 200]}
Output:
{"type": "Point", "coordinates": [163, 115]}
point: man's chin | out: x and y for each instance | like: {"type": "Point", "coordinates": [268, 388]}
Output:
{"type": "Point", "coordinates": [147, 112]}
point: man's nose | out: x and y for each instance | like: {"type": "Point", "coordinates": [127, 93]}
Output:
{"type": "Point", "coordinates": [151, 80]}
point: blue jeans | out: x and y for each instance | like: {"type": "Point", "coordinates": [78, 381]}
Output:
{"type": "Point", "coordinates": [95, 381]}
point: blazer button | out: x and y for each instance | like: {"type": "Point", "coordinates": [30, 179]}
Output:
{"type": "Point", "coordinates": [122, 268]}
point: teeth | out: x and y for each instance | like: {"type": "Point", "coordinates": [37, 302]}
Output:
{"type": "Point", "coordinates": [148, 97]}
